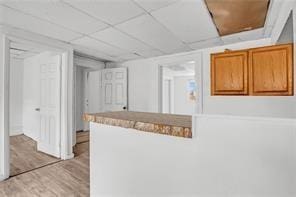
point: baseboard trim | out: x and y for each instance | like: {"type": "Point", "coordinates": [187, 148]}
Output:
{"type": "Point", "coordinates": [27, 133]}
{"type": "Point", "coordinates": [71, 156]}
{"type": "Point", "coordinates": [3, 178]}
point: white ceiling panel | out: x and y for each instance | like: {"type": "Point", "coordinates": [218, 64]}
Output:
{"type": "Point", "coordinates": [33, 24]}
{"type": "Point", "coordinates": [189, 20]}
{"type": "Point", "coordinates": [206, 43]}
{"type": "Point", "coordinates": [110, 11]}
{"type": "Point", "coordinates": [150, 53]}
{"type": "Point", "coordinates": [121, 40]}
{"type": "Point", "coordinates": [94, 53]}
{"type": "Point", "coordinates": [150, 5]}
{"type": "Point", "coordinates": [252, 35]}
{"type": "Point", "coordinates": [182, 49]}
{"type": "Point", "coordinates": [130, 56]}
{"type": "Point", "coordinates": [98, 45]}
{"type": "Point", "coordinates": [59, 13]}
{"type": "Point", "coordinates": [146, 29]}
{"type": "Point", "coordinates": [244, 36]}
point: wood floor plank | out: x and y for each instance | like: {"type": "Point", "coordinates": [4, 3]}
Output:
{"type": "Point", "coordinates": [82, 137]}
{"type": "Point", "coordinates": [25, 157]}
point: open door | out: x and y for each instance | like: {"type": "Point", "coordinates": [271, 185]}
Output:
{"type": "Point", "coordinates": [114, 89]}
{"type": "Point", "coordinates": [50, 107]}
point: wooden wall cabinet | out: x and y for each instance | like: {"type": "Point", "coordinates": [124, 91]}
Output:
{"type": "Point", "coordinates": [229, 73]}
{"type": "Point", "coordinates": [271, 70]}
{"type": "Point", "coordinates": [265, 71]}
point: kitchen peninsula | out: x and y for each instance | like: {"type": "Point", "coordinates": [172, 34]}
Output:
{"type": "Point", "coordinates": [128, 149]}
{"type": "Point", "coordinates": [152, 154]}
{"type": "Point", "coordinates": [167, 124]}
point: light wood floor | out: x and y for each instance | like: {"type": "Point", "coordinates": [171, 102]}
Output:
{"type": "Point", "coordinates": [64, 178]}
{"type": "Point", "coordinates": [25, 157]}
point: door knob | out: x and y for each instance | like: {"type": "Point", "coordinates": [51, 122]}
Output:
{"type": "Point", "coordinates": [37, 109]}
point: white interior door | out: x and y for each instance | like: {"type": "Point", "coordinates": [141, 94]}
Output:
{"type": "Point", "coordinates": [49, 137]}
{"type": "Point", "coordinates": [94, 92]}
{"type": "Point", "coordinates": [114, 89]}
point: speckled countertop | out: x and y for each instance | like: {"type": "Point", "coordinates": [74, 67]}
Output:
{"type": "Point", "coordinates": [167, 124]}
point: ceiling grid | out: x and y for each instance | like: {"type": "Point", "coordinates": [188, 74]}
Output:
{"type": "Point", "coordinates": [140, 28]}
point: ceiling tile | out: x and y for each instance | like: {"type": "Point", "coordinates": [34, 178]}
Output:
{"type": "Point", "coordinates": [243, 36]}
{"type": "Point", "coordinates": [150, 5]}
{"type": "Point", "coordinates": [206, 43]}
{"type": "Point", "coordinates": [189, 20]}
{"type": "Point", "coordinates": [252, 35]}
{"type": "Point", "coordinates": [32, 24]}
{"type": "Point", "coordinates": [182, 49]}
{"type": "Point", "coordinates": [130, 56]}
{"type": "Point", "coordinates": [98, 45]}
{"type": "Point", "coordinates": [93, 52]}
{"type": "Point", "coordinates": [121, 40]}
{"type": "Point", "coordinates": [59, 13]}
{"type": "Point", "coordinates": [150, 53]}
{"type": "Point", "coordinates": [146, 29]}
{"type": "Point", "coordinates": [110, 11]}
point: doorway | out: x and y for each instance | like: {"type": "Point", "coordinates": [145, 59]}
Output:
{"type": "Point", "coordinates": [180, 92]}
{"type": "Point", "coordinates": [63, 140]}
{"type": "Point", "coordinates": [34, 122]}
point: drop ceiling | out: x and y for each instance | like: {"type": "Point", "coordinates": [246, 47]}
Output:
{"type": "Point", "coordinates": [120, 30]}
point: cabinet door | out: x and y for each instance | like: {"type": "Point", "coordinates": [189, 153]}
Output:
{"type": "Point", "coordinates": [271, 70]}
{"type": "Point", "coordinates": [229, 73]}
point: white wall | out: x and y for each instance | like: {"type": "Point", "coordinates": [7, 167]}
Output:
{"type": "Point", "coordinates": [287, 33]}
{"type": "Point", "coordinates": [16, 96]}
{"type": "Point", "coordinates": [4, 108]}
{"type": "Point", "coordinates": [167, 96]}
{"type": "Point", "coordinates": [227, 157]}
{"type": "Point", "coordinates": [182, 104]}
{"type": "Point", "coordinates": [79, 101]}
{"type": "Point", "coordinates": [144, 89]}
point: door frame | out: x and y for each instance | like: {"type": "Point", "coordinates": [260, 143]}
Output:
{"type": "Point", "coordinates": [164, 61]}
{"type": "Point", "coordinates": [7, 34]}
